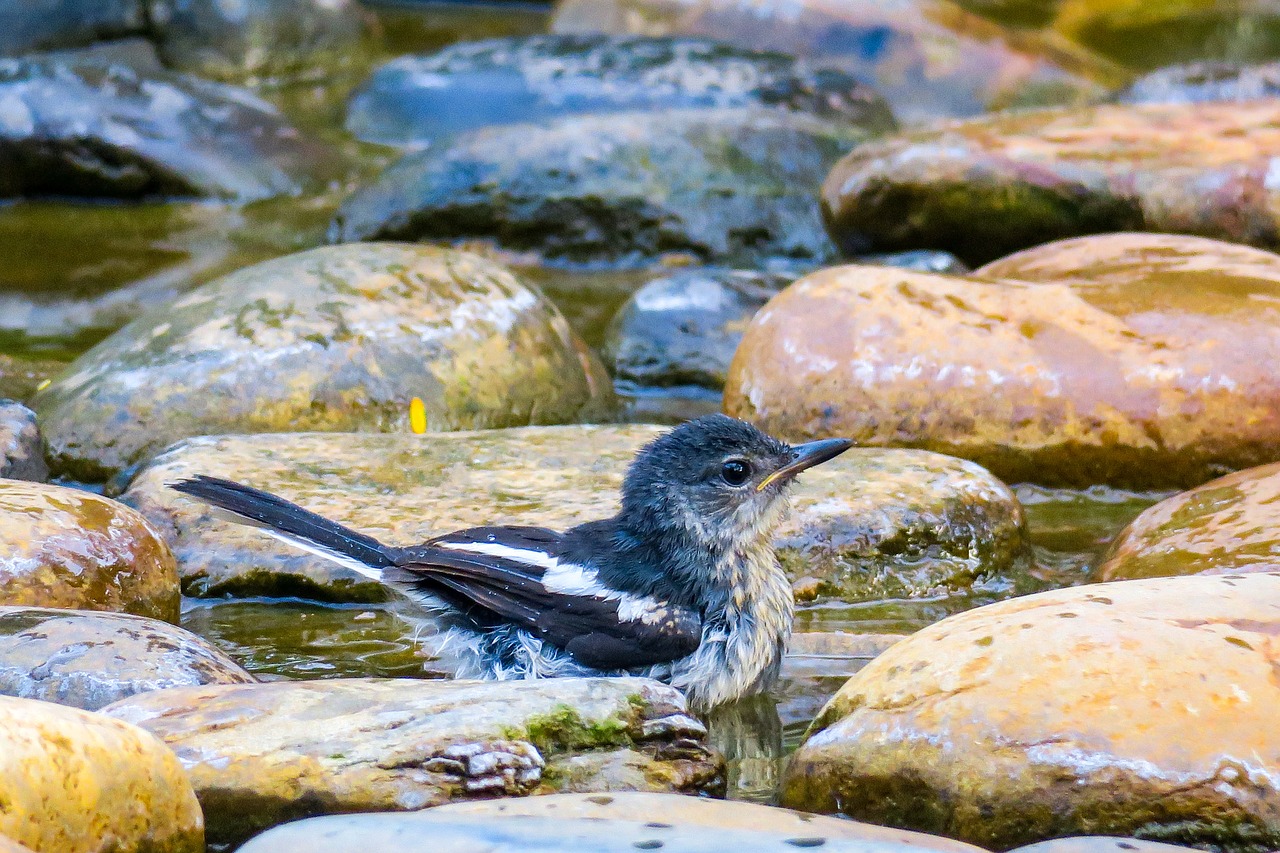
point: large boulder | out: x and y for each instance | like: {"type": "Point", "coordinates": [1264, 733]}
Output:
{"type": "Point", "coordinates": [62, 547]}
{"type": "Point", "coordinates": [1138, 360]}
{"type": "Point", "coordinates": [337, 338]}
{"type": "Point", "coordinates": [76, 782]}
{"type": "Point", "coordinates": [871, 524]}
{"type": "Point", "coordinates": [264, 754]}
{"type": "Point", "coordinates": [990, 186]}
{"type": "Point", "coordinates": [28, 25]}
{"type": "Point", "coordinates": [89, 660]}
{"type": "Point", "coordinates": [724, 185]}
{"type": "Point", "coordinates": [414, 99]}
{"type": "Point", "coordinates": [105, 130]}
{"type": "Point", "coordinates": [1142, 708]}
{"type": "Point", "coordinates": [21, 455]}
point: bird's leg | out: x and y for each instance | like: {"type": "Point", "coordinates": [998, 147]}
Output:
{"type": "Point", "coordinates": [511, 767]}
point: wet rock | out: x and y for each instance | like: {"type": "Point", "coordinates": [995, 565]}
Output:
{"type": "Point", "coordinates": [984, 188]}
{"type": "Point", "coordinates": [415, 99]}
{"type": "Point", "coordinates": [1227, 526]}
{"type": "Point", "coordinates": [1199, 82]}
{"type": "Point", "coordinates": [1066, 712]}
{"type": "Point", "coordinates": [919, 260]}
{"type": "Point", "coordinates": [871, 524]}
{"type": "Point", "coordinates": [87, 129]}
{"type": "Point", "coordinates": [722, 185]}
{"type": "Point", "coordinates": [337, 338]}
{"type": "Point", "coordinates": [76, 550]}
{"type": "Point", "coordinates": [927, 58]}
{"type": "Point", "coordinates": [77, 782]}
{"type": "Point", "coordinates": [263, 754]}
{"type": "Point", "coordinates": [21, 456]}
{"type": "Point", "coordinates": [1134, 360]}
{"type": "Point", "coordinates": [27, 25]}
{"type": "Point", "coordinates": [1100, 844]}
{"type": "Point", "coordinates": [255, 39]}
{"type": "Point", "coordinates": [19, 377]}
{"type": "Point", "coordinates": [89, 660]}
{"type": "Point", "coordinates": [8, 846]}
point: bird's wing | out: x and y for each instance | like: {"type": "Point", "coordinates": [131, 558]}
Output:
{"type": "Point", "coordinates": [515, 573]}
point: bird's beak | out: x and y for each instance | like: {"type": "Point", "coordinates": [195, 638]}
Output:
{"type": "Point", "coordinates": [806, 456]}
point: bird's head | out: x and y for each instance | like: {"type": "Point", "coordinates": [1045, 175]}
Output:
{"type": "Point", "coordinates": [717, 479]}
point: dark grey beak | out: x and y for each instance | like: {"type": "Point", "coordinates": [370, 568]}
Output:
{"type": "Point", "coordinates": [805, 456]}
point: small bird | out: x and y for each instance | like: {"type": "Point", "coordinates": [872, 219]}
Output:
{"type": "Point", "coordinates": [681, 585]}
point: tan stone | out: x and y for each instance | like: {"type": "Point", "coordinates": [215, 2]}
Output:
{"type": "Point", "coordinates": [10, 846]}
{"type": "Point", "coordinates": [1101, 844]}
{"type": "Point", "coordinates": [1140, 707]}
{"type": "Point", "coordinates": [62, 547]}
{"type": "Point", "coordinates": [76, 782]}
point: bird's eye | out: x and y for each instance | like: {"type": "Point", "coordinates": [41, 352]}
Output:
{"type": "Point", "coordinates": [735, 472]}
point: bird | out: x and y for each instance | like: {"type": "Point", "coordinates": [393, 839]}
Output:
{"type": "Point", "coordinates": [682, 584]}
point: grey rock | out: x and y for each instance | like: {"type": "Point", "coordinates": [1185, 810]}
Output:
{"type": "Point", "coordinates": [21, 456]}
{"type": "Point", "coordinates": [1201, 82]}
{"type": "Point", "coordinates": [89, 660]}
{"type": "Point", "coordinates": [415, 99]}
{"type": "Point", "coordinates": [28, 25]}
{"type": "Point", "coordinates": [920, 260]}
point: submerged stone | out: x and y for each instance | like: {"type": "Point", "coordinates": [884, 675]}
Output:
{"type": "Point", "coordinates": [263, 754]}
{"type": "Point", "coordinates": [1063, 713]}
{"type": "Point", "coordinates": [21, 455]}
{"type": "Point", "coordinates": [337, 338]}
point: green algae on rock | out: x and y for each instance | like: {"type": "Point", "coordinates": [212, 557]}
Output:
{"type": "Point", "coordinates": [77, 782]}
{"type": "Point", "coordinates": [987, 187]}
{"type": "Point", "coordinates": [871, 524]}
{"type": "Point", "coordinates": [1140, 360]}
{"type": "Point", "coordinates": [1067, 712]}
{"type": "Point", "coordinates": [259, 755]}
{"type": "Point", "coordinates": [336, 338]}
{"type": "Point", "coordinates": [89, 660]}
{"type": "Point", "coordinates": [67, 548]}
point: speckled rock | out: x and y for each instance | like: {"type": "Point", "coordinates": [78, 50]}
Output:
{"type": "Point", "coordinates": [76, 782]}
{"type": "Point", "coordinates": [987, 187]}
{"type": "Point", "coordinates": [1205, 81]}
{"type": "Point", "coordinates": [415, 99]}
{"type": "Point", "coordinates": [723, 185]}
{"type": "Point", "coordinates": [105, 130]}
{"type": "Point", "coordinates": [21, 456]}
{"type": "Point", "coordinates": [337, 338]}
{"type": "Point", "coordinates": [928, 58]}
{"type": "Point", "coordinates": [89, 660]}
{"type": "Point", "coordinates": [61, 547]}
{"type": "Point", "coordinates": [1066, 712]}
{"type": "Point", "coordinates": [1141, 360]}
{"type": "Point", "coordinates": [263, 754]}
{"type": "Point", "coordinates": [1101, 844]}
{"type": "Point", "coordinates": [258, 39]}
{"type": "Point", "coordinates": [871, 524]}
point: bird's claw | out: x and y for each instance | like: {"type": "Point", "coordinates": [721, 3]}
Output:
{"type": "Point", "coordinates": [510, 767]}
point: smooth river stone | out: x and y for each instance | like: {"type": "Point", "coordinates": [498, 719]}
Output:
{"type": "Point", "coordinates": [1101, 844]}
{"type": "Point", "coordinates": [333, 339]}
{"type": "Point", "coordinates": [89, 660]}
{"type": "Point", "coordinates": [1141, 360]}
{"type": "Point", "coordinates": [1140, 708]}
{"type": "Point", "coordinates": [1198, 82]}
{"type": "Point", "coordinates": [871, 524]}
{"type": "Point", "coordinates": [77, 782]}
{"type": "Point", "coordinates": [21, 455]}
{"type": "Point", "coordinates": [66, 548]}
{"type": "Point", "coordinates": [263, 754]}
{"type": "Point", "coordinates": [991, 186]}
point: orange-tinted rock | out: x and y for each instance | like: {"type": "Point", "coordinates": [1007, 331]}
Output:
{"type": "Point", "coordinates": [1143, 360]}
{"type": "Point", "coordinates": [1142, 708]}
{"type": "Point", "coordinates": [987, 187]}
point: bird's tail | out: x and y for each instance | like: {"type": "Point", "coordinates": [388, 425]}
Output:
{"type": "Point", "coordinates": [290, 523]}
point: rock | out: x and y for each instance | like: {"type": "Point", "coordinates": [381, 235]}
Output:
{"type": "Point", "coordinates": [19, 377]}
{"type": "Point", "coordinates": [871, 524]}
{"type": "Point", "coordinates": [72, 549]}
{"type": "Point", "coordinates": [85, 129]}
{"type": "Point", "coordinates": [1199, 82]}
{"type": "Point", "coordinates": [77, 782]}
{"type": "Point", "coordinates": [27, 25]}
{"type": "Point", "coordinates": [987, 187]}
{"type": "Point", "coordinates": [263, 754]}
{"type": "Point", "coordinates": [415, 99]}
{"type": "Point", "coordinates": [281, 40]}
{"type": "Point", "coordinates": [929, 59]}
{"type": "Point", "coordinates": [21, 456]}
{"type": "Point", "coordinates": [1134, 360]}
{"type": "Point", "coordinates": [919, 260]}
{"type": "Point", "coordinates": [1100, 844]}
{"type": "Point", "coordinates": [1016, 13]}
{"type": "Point", "coordinates": [336, 338]}
{"type": "Point", "coordinates": [8, 846]}
{"type": "Point", "coordinates": [428, 831]}
{"type": "Point", "coordinates": [722, 185]}
{"type": "Point", "coordinates": [1227, 526]}
{"type": "Point", "coordinates": [1066, 712]}
{"type": "Point", "coordinates": [89, 660]}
